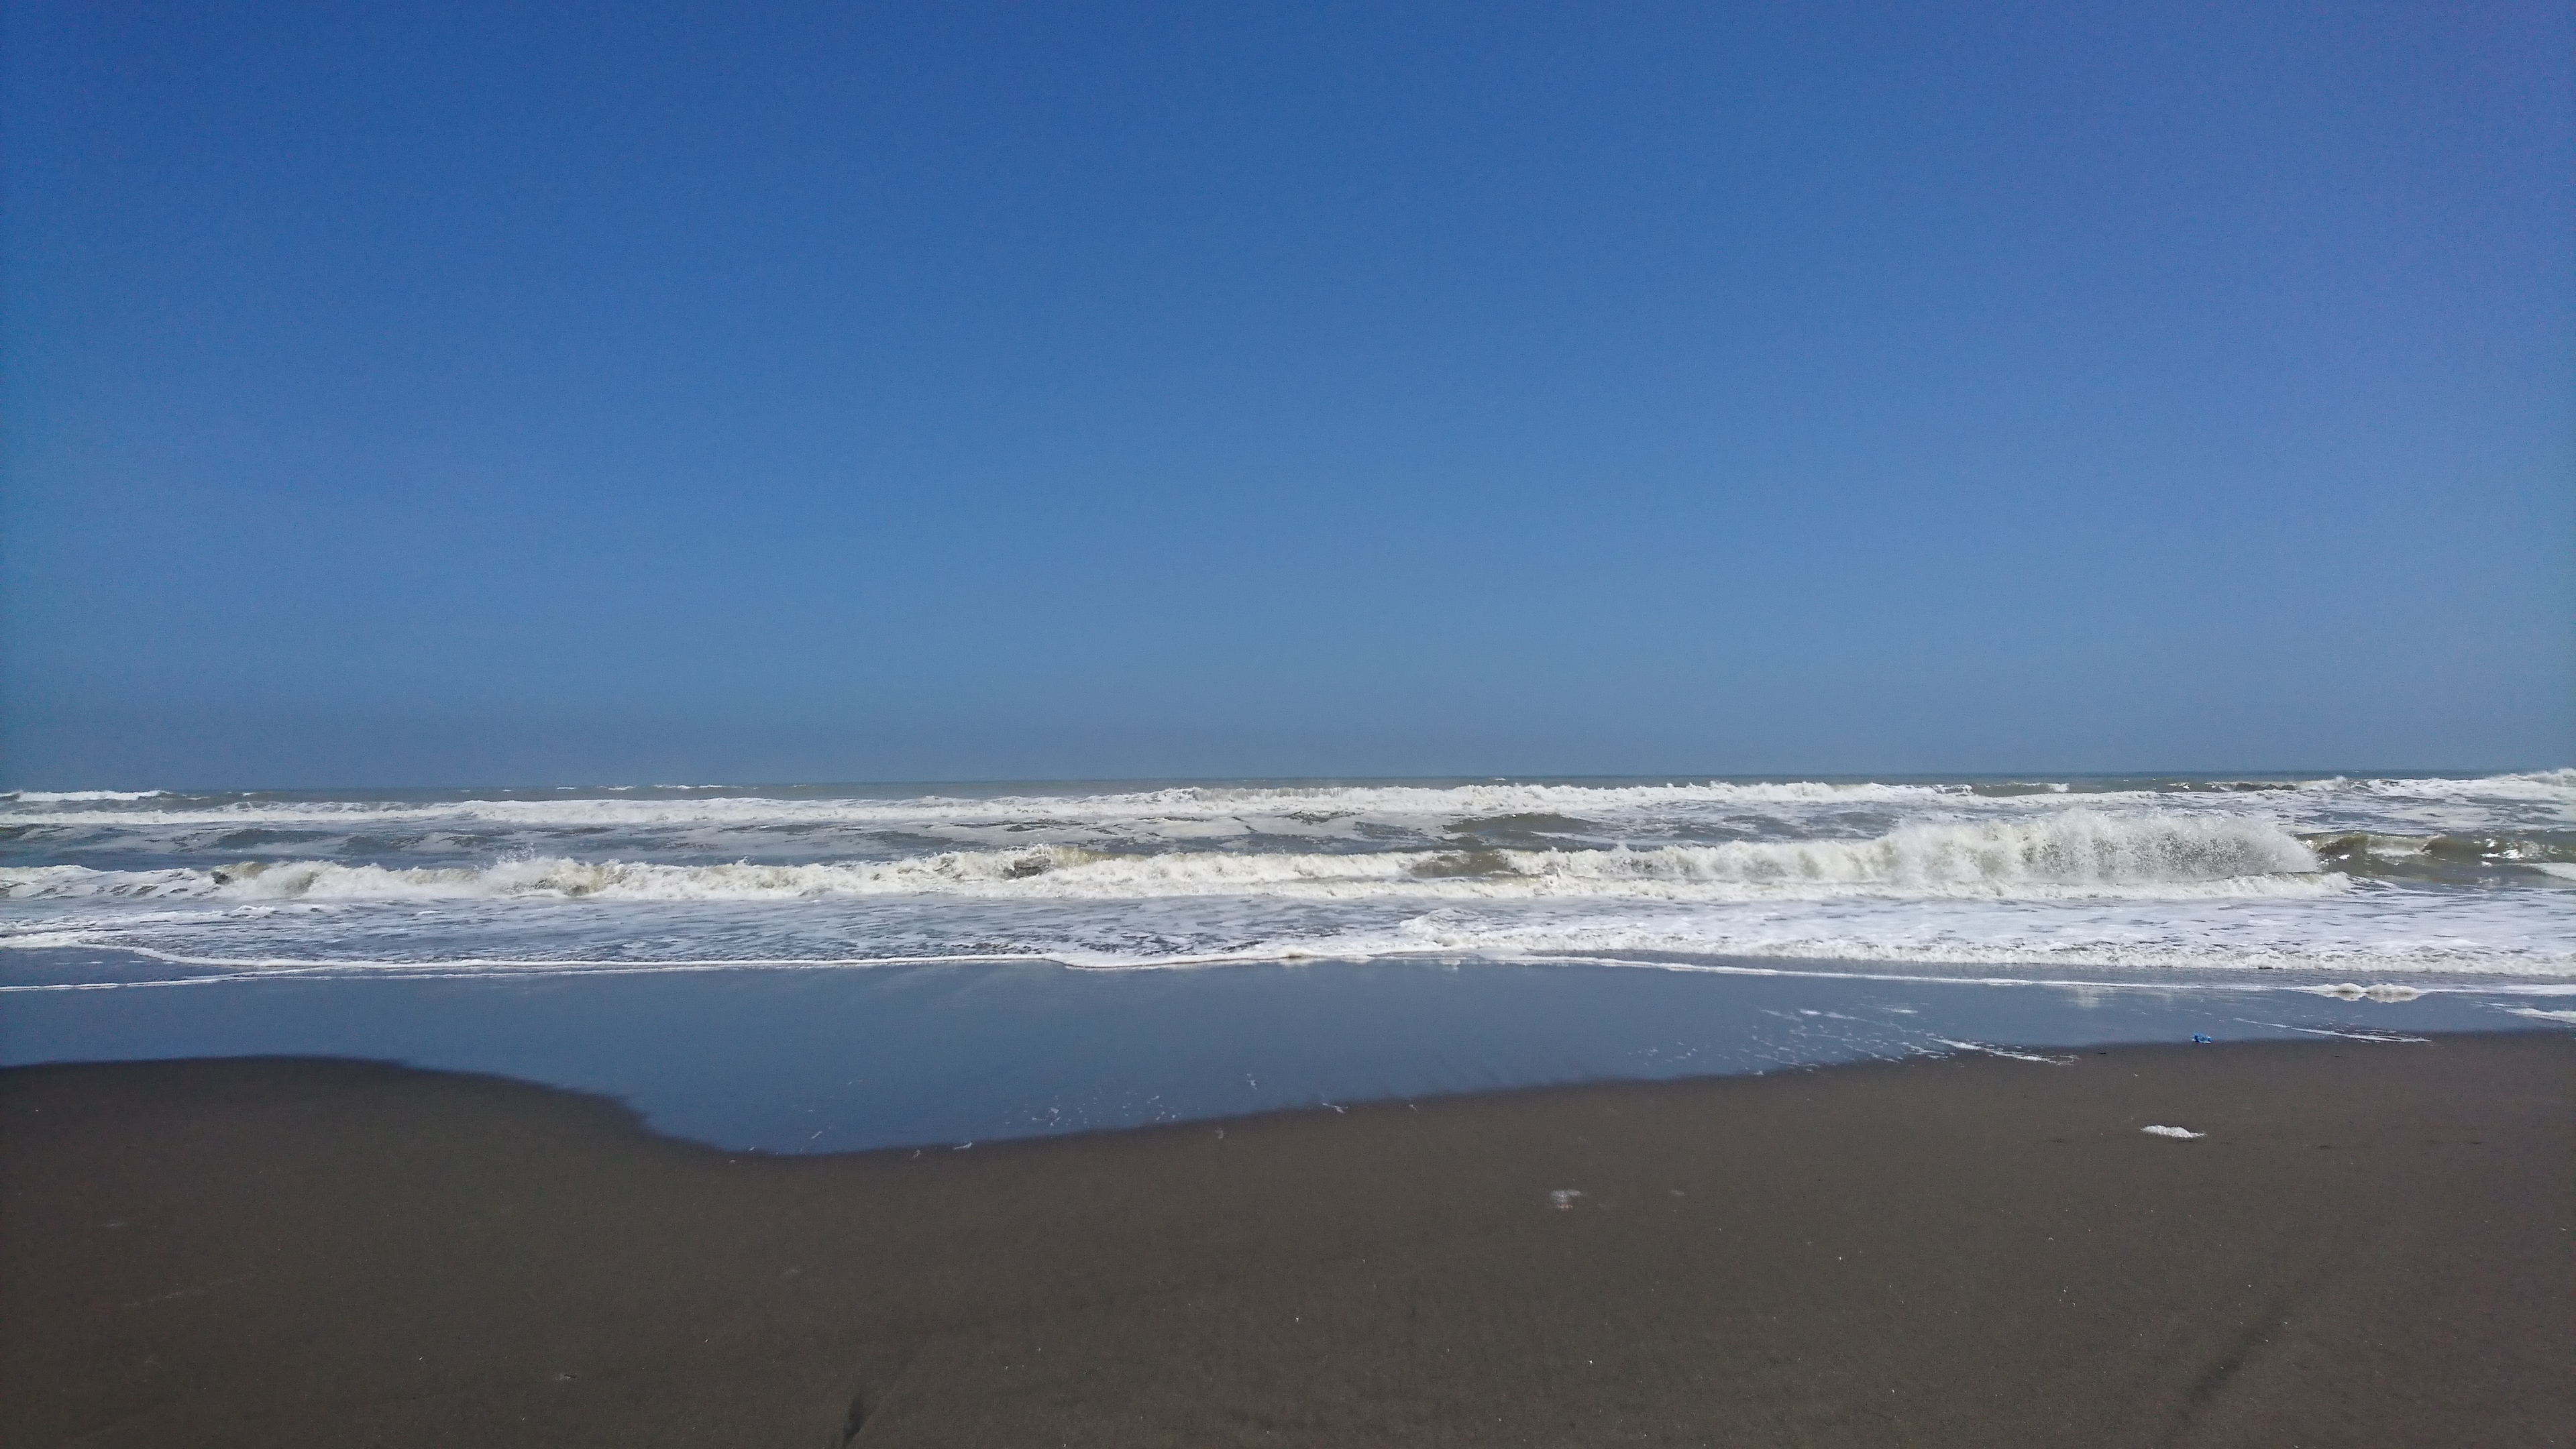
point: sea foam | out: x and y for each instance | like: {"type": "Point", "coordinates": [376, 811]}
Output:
{"type": "Point", "coordinates": [2066, 854]}
{"type": "Point", "coordinates": [2363, 878]}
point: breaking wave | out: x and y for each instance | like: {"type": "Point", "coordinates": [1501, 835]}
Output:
{"type": "Point", "coordinates": [2075, 853]}
{"type": "Point", "coordinates": [1190, 801]}
{"type": "Point", "coordinates": [653, 820]}
{"type": "Point", "coordinates": [2350, 875]}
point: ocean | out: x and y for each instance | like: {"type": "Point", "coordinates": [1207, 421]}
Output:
{"type": "Point", "coordinates": [885, 964]}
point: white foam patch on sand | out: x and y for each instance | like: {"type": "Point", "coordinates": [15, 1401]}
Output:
{"type": "Point", "coordinates": [2179, 1133]}
{"type": "Point", "coordinates": [2368, 1034]}
{"type": "Point", "coordinates": [1996, 1051]}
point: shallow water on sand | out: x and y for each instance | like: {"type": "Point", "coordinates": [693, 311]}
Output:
{"type": "Point", "coordinates": [836, 1060]}
{"type": "Point", "coordinates": [825, 967]}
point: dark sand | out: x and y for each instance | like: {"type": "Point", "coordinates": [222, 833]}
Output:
{"type": "Point", "coordinates": [2372, 1246]}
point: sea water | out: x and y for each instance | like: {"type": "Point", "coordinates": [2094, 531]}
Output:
{"type": "Point", "coordinates": [819, 967]}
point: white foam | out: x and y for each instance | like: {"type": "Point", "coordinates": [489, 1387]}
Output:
{"type": "Point", "coordinates": [2076, 854]}
{"type": "Point", "coordinates": [2180, 1133]}
{"type": "Point", "coordinates": [1996, 1051]}
{"type": "Point", "coordinates": [2363, 1033]}
{"type": "Point", "coordinates": [1896, 873]}
{"type": "Point", "coordinates": [1181, 802]}
{"type": "Point", "coordinates": [2350, 991]}
{"type": "Point", "coordinates": [715, 822]}
{"type": "Point", "coordinates": [2376, 929]}
{"type": "Point", "coordinates": [616, 806]}
{"type": "Point", "coordinates": [72, 882]}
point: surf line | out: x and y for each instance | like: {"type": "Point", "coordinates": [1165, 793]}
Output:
{"type": "Point", "coordinates": [235, 969]}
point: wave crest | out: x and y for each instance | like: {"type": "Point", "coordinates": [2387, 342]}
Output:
{"type": "Point", "coordinates": [2073, 853]}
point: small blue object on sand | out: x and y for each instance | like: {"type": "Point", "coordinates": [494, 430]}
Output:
{"type": "Point", "coordinates": [2198, 1039]}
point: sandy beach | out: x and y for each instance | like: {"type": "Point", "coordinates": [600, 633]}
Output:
{"type": "Point", "coordinates": [1287, 726]}
{"type": "Point", "coordinates": [2371, 1244]}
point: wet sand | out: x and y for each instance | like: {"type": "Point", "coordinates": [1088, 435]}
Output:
{"type": "Point", "coordinates": [2372, 1245]}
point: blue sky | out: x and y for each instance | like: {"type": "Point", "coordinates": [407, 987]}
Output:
{"type": "Point", "coordinates": [444, 394]}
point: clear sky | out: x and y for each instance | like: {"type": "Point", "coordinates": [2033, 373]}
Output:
{"type": "Point", "coordinates": [453, 393]}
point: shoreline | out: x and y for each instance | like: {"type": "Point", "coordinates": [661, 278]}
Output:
{"type": "Point", "coordinates": [825, 1061]}
{"type": "Point", "coordinates": [2366, 1247]}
